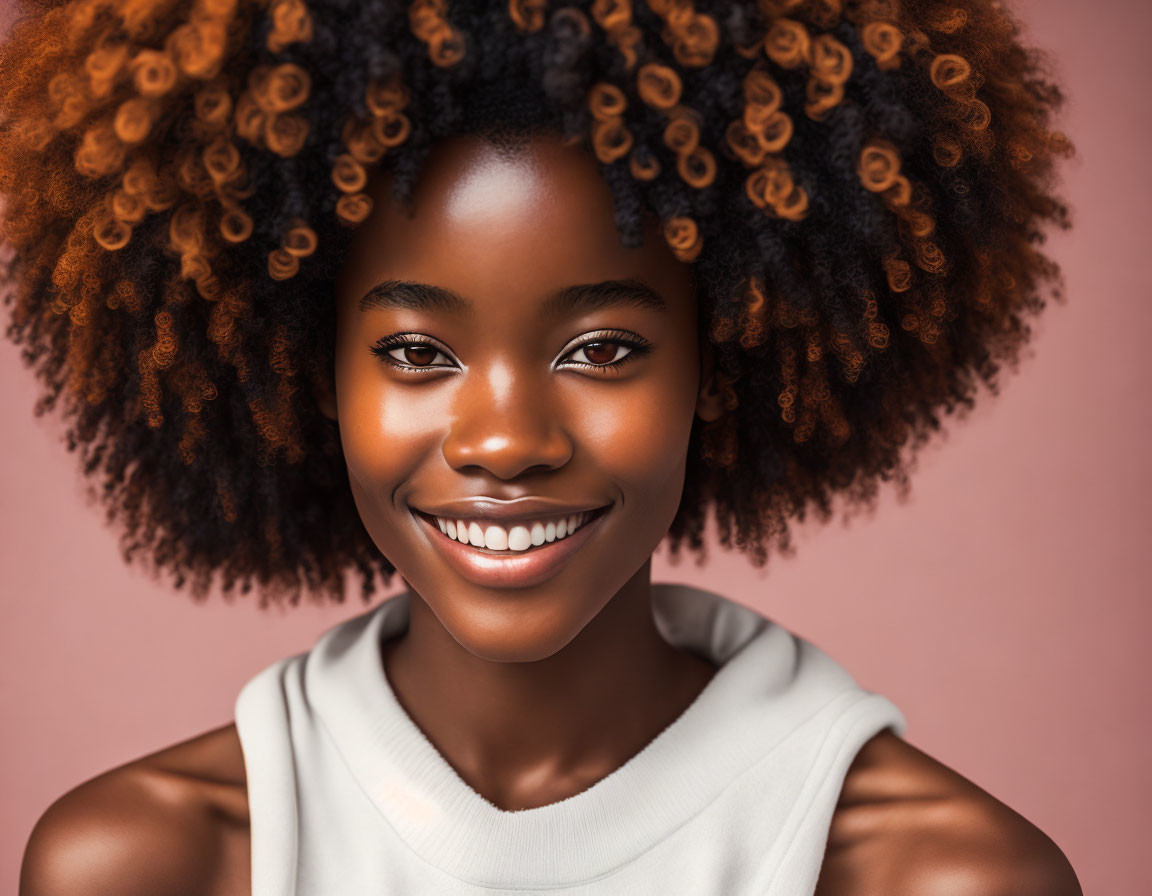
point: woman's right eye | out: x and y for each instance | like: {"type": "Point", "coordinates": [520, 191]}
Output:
{"type": "Point", "coordinates": [411, 355]}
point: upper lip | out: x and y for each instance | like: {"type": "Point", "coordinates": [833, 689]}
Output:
{"type": "Point", "coordinates": [484, 508]}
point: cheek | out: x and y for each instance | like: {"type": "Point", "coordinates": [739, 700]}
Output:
{"type": "Point", "coordinates": [384, 429]}
{"type": "Point", "coordinates": [639, 437]}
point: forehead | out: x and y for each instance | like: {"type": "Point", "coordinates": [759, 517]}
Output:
{"type": "Point", "coordinates": [485, 219]}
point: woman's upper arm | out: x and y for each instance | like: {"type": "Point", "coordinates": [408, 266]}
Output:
{"type": "Point", "coordinates": [907, 825]}
{"type": "Point", "coordinates": [990, 853]}
{"type": "Point", "coordinates": [125, 832]}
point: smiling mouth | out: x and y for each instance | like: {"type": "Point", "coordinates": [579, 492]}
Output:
{"type": "Point", "coordinates": [505, 567]}
{"type": "Point", "coordinates": [511, 538]}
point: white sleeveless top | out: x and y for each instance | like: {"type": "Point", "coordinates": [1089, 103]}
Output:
{"type": "Point", "coordinates": [348, 797]}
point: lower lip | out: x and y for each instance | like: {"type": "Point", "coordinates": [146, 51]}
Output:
{"type": "Point", "coordinates": [521, 570]}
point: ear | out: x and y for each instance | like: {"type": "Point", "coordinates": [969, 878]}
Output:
{"type": "Point", "coordinates": [709, 406]}
{"type": "Point", "coordinates": [325, 396]}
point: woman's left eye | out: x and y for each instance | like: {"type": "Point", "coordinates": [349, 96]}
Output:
{"type": "Point", "coordinates": [601, 354]}
{"type": "Point", "coordinates": [607, 351]}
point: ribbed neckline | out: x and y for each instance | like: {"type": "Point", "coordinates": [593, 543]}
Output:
{"type": "Point", "coordinates": [730, 725]}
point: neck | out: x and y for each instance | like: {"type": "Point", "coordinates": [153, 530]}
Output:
{"type": "Point", "coordinates": [531, 733]}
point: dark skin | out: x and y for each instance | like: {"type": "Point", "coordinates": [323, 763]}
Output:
{"type": "Point", "coordinates": [532, 692]}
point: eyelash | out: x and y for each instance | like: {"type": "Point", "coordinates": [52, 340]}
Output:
{"type": "Point", "coordinates": [637, 345]}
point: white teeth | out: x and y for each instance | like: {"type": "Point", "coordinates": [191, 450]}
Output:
{"type": "Point", "coordinates": [518, 538]}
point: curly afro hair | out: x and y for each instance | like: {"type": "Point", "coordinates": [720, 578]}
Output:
{"type": "Point", "coordinates": [862, 188]}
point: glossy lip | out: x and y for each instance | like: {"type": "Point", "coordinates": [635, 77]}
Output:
{"type": "Point", "coordinates": [503, 570]}
{"type": "Point", "coordinates": [516, 510]}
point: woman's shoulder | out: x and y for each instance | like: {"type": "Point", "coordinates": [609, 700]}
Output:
{"type": "Point", "coordinates": [906, 823]}
{"type": "Point", "coordinates": [176, 822]}
{"type": "Point", "coordinates": [173, 822]}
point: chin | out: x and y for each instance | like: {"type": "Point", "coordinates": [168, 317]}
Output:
{"type": "Point", "coordinates": [524, 629]}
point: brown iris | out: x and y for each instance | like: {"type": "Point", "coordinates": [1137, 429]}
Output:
{"type": "Point", "coordinates": [600, 352]}
{"type": "Point", "coordinates": [420, 355]}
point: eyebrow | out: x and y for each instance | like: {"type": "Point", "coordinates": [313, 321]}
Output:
{"type": "Point", "coordinates": [412, 296]}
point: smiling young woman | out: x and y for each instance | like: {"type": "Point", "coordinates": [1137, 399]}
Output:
{"type": "Point", "coordinates": [523, 398]}
{"type": "Point", "coordinates": [498, 298]}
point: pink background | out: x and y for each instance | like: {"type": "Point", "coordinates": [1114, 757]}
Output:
{"type": "Point", "coordinates": [1005, 608]}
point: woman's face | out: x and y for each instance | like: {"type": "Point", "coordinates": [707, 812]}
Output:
{"type": "Point", "coordinates": [505, 368]}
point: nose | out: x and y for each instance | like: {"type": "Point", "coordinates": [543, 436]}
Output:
{"type": "Point", "coordinates": [506, 423]}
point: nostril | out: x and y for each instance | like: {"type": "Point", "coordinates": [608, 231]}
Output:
{"type": "Point", "coordinates": [508, 454]}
